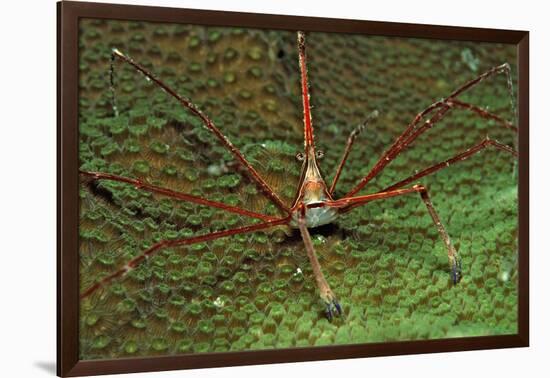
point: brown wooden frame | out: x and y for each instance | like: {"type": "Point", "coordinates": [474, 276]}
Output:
{"type": "Point", "coordinates": [68, 14]}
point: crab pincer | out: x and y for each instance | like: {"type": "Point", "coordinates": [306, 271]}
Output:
{"type": "Point", "coordinates": [456, 270]}
{"type": "Point", "coordinates": [332, 308]}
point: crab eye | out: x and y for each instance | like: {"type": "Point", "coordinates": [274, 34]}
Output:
{"type": "Point", "coordinates": [300, 156]}
{"type": "Point", "coordinates": [319, 154]}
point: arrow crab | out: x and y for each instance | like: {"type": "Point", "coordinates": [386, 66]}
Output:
{"type": "Point", "coordinates": [315, 203]}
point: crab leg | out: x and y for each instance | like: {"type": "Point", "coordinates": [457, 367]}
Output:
{"type": "Point", "coordinates": [179, 195]}
{"type": "Point", "coordinates": [308, 127]}
{"type": "Point", "coordinates": [413, 131]}
{"type": "Point", "coordinates": [351, 139]}
{"type": "Point", "coordinates": [133, 263]}
{"type": "Point", "coordinates": [252, 173]}
{"type": "Point", "coordinates": [325, 291]}
{"type": "Point", "coordinates": [458, 158]}
{"type": "Point", "coordinates": [347, 204]}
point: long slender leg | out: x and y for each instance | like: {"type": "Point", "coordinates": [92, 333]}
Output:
{"type": "Point", "coordinates": [112, 84]}
{"type": "Point", "coordinates": [451, 103]}
{"type": "Point", "coordinates": [442, 107]}
{"type": "Point", "coordinates": [455, 159]}
{"type": "Point", "coordinates": [302, 59]}
{"type": "Point", "coordinates": [347, 204]}
{"type": "Point", "coordinates": [252, 173]}
{"type": "Point", "coordinates": [481, 112]}
{"type": "Point", "coordinates": [351, 139]}
{"type": "Point", "coordinates": [455, 264]}
{"type": "Point", "coordinates": [179, 242]}
{"type": "Point", "coordinates": [171, 193]}
{"type": "Point", "coordinates": [326, 294]}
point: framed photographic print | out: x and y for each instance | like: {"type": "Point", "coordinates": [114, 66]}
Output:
{"type": "Point", "coordinates": [242, 188]}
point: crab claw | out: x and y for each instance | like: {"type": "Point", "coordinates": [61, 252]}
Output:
{"type": "Point", "coordinates": [332, 308]}
{"type": "Point", "coordinates": [456, 270]}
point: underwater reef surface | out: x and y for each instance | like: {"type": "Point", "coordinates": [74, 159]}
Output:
{"type": "Point", "coordinates": [384, 261]}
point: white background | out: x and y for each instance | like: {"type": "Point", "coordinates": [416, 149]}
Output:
{"type": "Point", "coordinates": [28, 168]}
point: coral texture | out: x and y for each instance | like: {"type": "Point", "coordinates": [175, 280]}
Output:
{"type": "Point", "coordinates": [384, 261]}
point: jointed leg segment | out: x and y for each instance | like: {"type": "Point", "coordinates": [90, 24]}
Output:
{"type": "Point", "coordinates": [351, 139]}
{"type": "Point", "coordinates": [347, 204]}
{"type": "Point", "coordinates": [458, 158]}
{"type": "Point", "coordinates": [441, 108]}
{"type": "Point", "coordinates": [178, 195]}
{"type": "Point", "coordinates": [252, 173]}
{"type": "Point", "coordinates": [179, 242]}
{"type": "Point", "coordinates": [328, 297]}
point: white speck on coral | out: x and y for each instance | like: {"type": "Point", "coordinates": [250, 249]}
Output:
{"type": "Point", "coordinates": [504, 276]}
{"type": "Point", "coordinates": [321, 238]}
{"type": "Point", "coordinates": [219, 302]}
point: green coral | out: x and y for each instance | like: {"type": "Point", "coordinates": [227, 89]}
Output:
{"type": "Point", "coordinates": [385, 261]}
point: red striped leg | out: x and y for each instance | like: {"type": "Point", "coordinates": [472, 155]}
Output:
{"type": "Point", "coordinates": [347, 204]}
{"type": "Point", "coordinates": [441, 108]}
{"type": "Point", "coordinates": [139, 184]}
{"type": "Point", "coordinates": [325, 292]}
{"type": "Point", "coordinates": [308, 127]}
{"type": "Point", "coordinates": [351, 139]}
{"type": "Point", "coordinates": [458, 158]}
{"type": "Point", "coordinates": [252, 173]}
{"type": "Point", "coordinates": [175, 243]}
